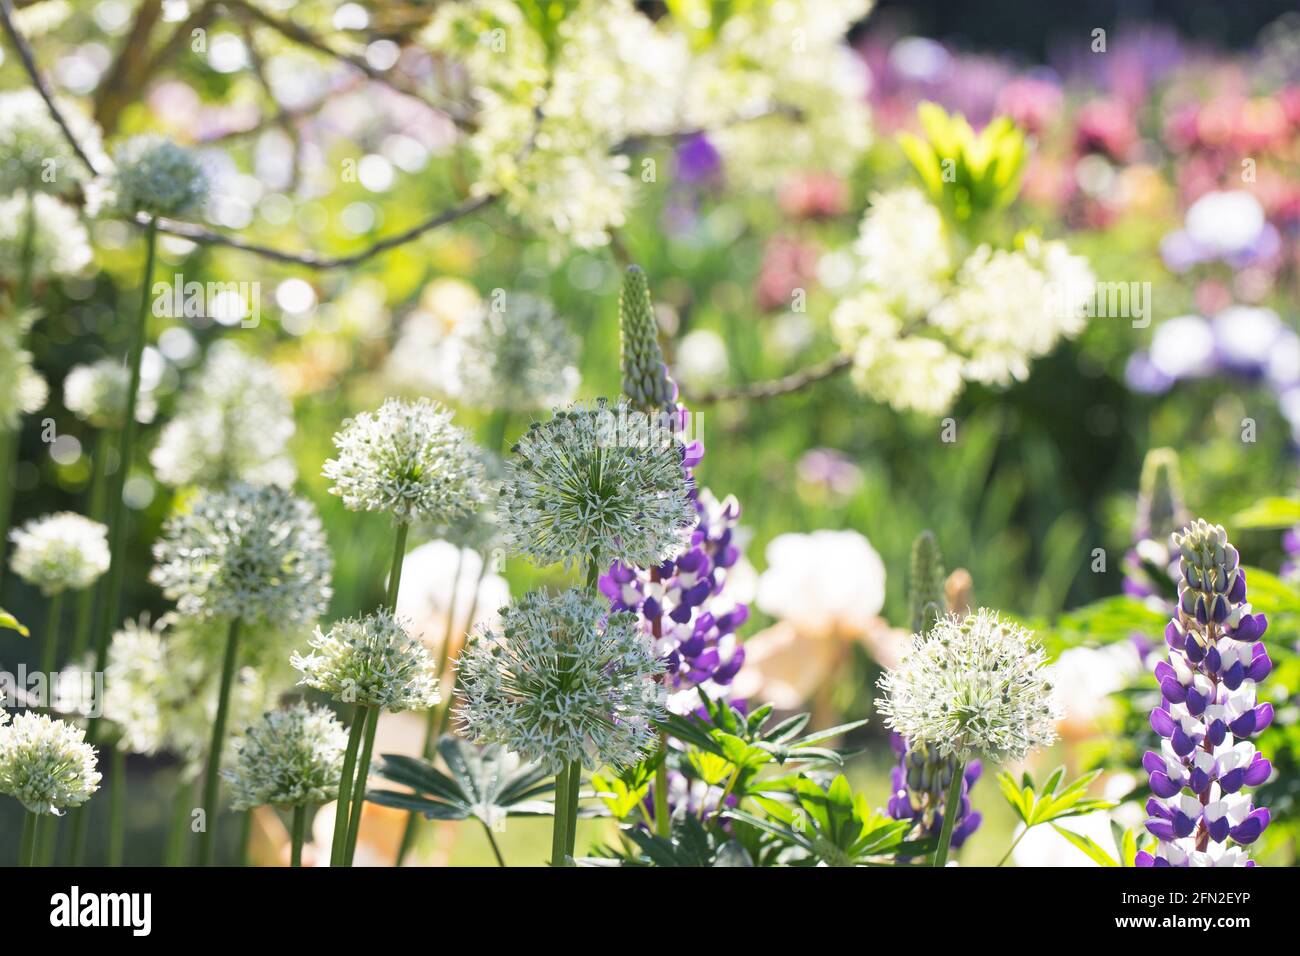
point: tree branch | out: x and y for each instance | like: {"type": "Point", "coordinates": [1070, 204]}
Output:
{"type": "Point", "coordinates": [29, 65]}
{"type": "Point", "coordinates": [789, 384]}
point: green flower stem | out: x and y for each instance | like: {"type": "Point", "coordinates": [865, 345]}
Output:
{"type": "Point", "coordinates": [359, 716]}
{"type": "Point", "coordinates": [95, 509]}
{"type": "Point", "coordinates": [126, 439]}
{"type": "Point", "coordinates": [174, 849]}
{"type": "Point", "coordinates": [952, 802]}
{"type": "Point", "coordinates": [1014, 843]}
{"type": "Point", "coordinates": [359, 791]}
{"type": "Point", "coordinates": [117, 807]}
{"type": "Point", "coordinates": [496, 850]}
{"type": "Point", "coordinates": [27, 844]}
{"type": "Point", "coordinates": [212, 775]}
{"type": "Point", "coordinates": [299, 830]}
{"type": "Point", "coordinates": [47, 835]}
{"type": "Point", "coordinates": [663, 819]}
{"type": "Point", "coordinates": [571, 829]}
{"type": "Point", "coordinates": [9, 436]}
{"type": "Point", "coordinates": [80, 819]}
{"type": "Point", "coordinates": [50, 639]}
{"type": "Point", "coordinates": [395, 573]}
{"type": "Point", "coordinates": [245, 836]}
{"type": "Point", "coordinates": [559, 836]}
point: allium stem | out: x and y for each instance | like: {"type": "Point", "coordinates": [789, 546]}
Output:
{"type": "Point", "coordinates": [95, 508]}
{"type": "Point", "coordinates": [126, 439]}
{"type": "Point", "coordinates": [496, 850]}
{"type": "Point", "coordinates": [559, 834]}
{"type": "Point", "coordinates": [299, 830]}
{"type": "Point", "coordinates": [951, 803]}
{"type": "Point", "coordinates": [571, 831]}
{"type": "Point", "coordinates": [395, 571]}
{"type": "Point", "coordinates": [341, 809]}
{"type": "Point", "coordinates": [174, 850]}
{"type": "Point", "coordinates": [663, 819]}
{"type": "Point", "coordinates": [212, 776]}
{"type": "Point", "coordinates": [117, 807]}
{"type": "Point", "coordinates": [359, 791]}
{"type": "Point", "coordinates": [50, 640]}
{"type": "Point", "coordinates": [27, 845]}
{"type": "Point", "coordinates": [9, 436]}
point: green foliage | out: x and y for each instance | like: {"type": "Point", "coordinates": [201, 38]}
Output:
{"type": "Point", "coordinates": [9, 622]}
{"type": "Point", "coordinates": [481, 782]}
{"type": "Point", "coordinates": [968, 176]}
{"type": "Point", "coordinates": [1268, 513]}
{"type": "Point", "coordinates": [1053, 801]}
{"type": "Point", "coordinates": [1128, 842]}
{"type": "Point", "coordinates": [830, 825]}
{"type": "Point", "coordinates": [1102, 622]}
{"type": "Point", "coordinates": [691, 844]}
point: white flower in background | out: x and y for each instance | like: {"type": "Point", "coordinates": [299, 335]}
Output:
{"type": "Point", "coordinates": [35, 156]}
{"type": "Point", "coordinates": [972, 686]}
{"type": "Point", "coordinates": [97, 394]}
{"type": "Point", "coordinates": [426, 356]}
{"type": "Point", "coordinates": [254, 553]}
{"type": "Point", "coordinates": [22, 389]}
{"type": "Point", "coordinates": [152, 175]}
{"type": "Point", "coordinates": [823, 583]}
{"type": "Point", "coordinates": [1247, 337]}
{"type": "Point", "coordinates": [520, 358]}
{"type": "Point", "coordinates": [1010, 307]}
{"type": "Point", "coordinates": [1085, 677]}
{"type": "Point", "coordinates": [137, 685]}
{"type": "Point", "coordinates": [61, 245]}
{"type": "Point", "coordinates": [60, 552]}
{"type": "Point", "coordinates": [904, 251]}
{"type": "Point", "coordinates": [1225, 222]}
{"type": "Point", "coordinates": [406, 458]}
{"type": "Point", "coordinates": [233, 423]}
{"type": "Point", "coordinates": [563, 679]}
{"type": "Point", "coordinates": [596, 484]}
{"type": "Point", "coordinates": [440, 582]}
{"type": "Point", "coordinates": [1183, 347]}
{"type": "Point", "coordinates": [701, 359]}
{"type": "Point", "coordinates": [290, 758]}
{"type": "Point", "coordinates": [46, 764]}
{"type": "Point", "coordinates": [371, 661]}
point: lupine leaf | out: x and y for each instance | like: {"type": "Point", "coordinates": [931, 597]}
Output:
{"type": "Point", "coordinates": [12, 623]}
{"type": "Point", "coordinates": [1088, 845]}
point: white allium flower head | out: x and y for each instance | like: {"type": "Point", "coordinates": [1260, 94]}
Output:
{"type": "Point", "coordinates": [406, 458]}
{"type": "Point", "coordinates": [372, 661]}
{"type": "Point", "coordinates": [35, 156]}
{"type": "Point", "coordinates": [137, 685]}
{"type": "Point", "coordinates": [519, 357]}
{"type": "Point", "coordinates": [153, 175]}
{"type": "Point", "coordinates": [973, 685]}
{"type": "Point", "coordinates": [290, 758]}
{"type": "Point", "coordinates": [597, 484]}
{"type": "Point", "coordinates": [233, 423]}
{"type": "Point", "coordinates": [22, 389]}
{"type": "Point", "coordinates": [46, 764]}
{"type": "Point", "coordinates": [562, 679]}
{"type": "Point", "coordinates": [60, 243]}
{"type": "Point", "coordinates": [255, 553]}
{"type": "Point", "coordinates": [60, 552]}
{"type": "Point", "coordinates": [97, 394]}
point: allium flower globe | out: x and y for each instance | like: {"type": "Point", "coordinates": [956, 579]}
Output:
{"type": "Point", "coordinates": [254, 553]}
{"type": "Point", "coordinates": [138, 684]}
{"type": "Point", "coordinates": [290, 758]}
{"type": "Point", "coordinates": [972, 686]}
{"type": "Point", "coordinates": [406, 458]}
{"type": "Point", "coordinates": [60, 552]}
{"type": "Point", "coordinates": [594, 485]}
{"type": "Point", "coordinates": [46, 764]}
{"type": "Point", "coordinates": [61, 245]}
{"type": "Point", "coordinates": [371, 661]}
{"type": "Point", "coordinates": [519, 358]}
{"type": "Point", "coordinates": [563, 679]}
{"type": "Point", "coordinates": [154, 176]}
{"type": "Point", "coordinates": [97, 394]}
{"type": "Point", "coordinates": [233, 423]}
{"type": "Point", "coordinates": [35, 156]}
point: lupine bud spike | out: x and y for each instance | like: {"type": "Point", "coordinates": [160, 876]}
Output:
{"type": "Point", "coordinates": [1160, 495]}
{"type": "Point", "coordinates": [925, 595]}
{"type": "Point", "coordinates": [645, 377]}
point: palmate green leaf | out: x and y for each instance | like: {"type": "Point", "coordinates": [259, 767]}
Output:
{"type": "Point", "coordinates": [1088, 845]}
{"type": "Point", "coordinates": [9, 622]}
{"type": "Point", "coordinates": [1269, 513]}
{"type": "Point", "coordinates": [480, 782]}
{"type": "Point", "coordinates": [1052, 802]}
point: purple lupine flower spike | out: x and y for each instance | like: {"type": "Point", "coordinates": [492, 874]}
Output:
{"type": "Point", "coordinates": [1200, 812]}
